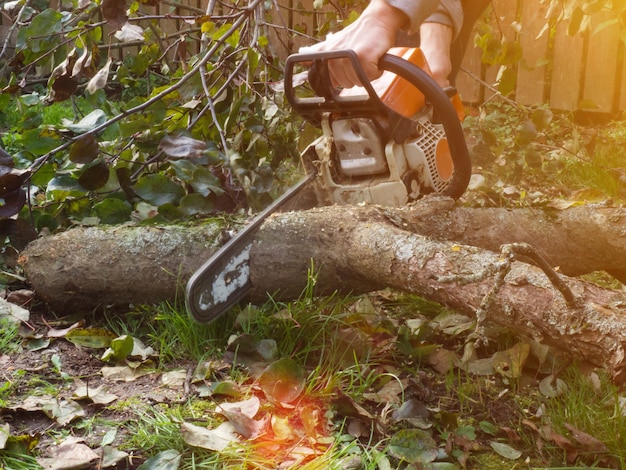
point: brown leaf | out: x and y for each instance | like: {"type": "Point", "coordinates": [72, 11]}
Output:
{"type": "Point", "coordinates": [99, 80]}
{"type": "Point", "coordinates": [62, 89]}
{"type": "Point", "coordinates": [571, 451]}
{"type": "Point", "coordinates": [85, 149]}
{"type": "Point", "coordinates": [94, 176]}
{"type": "Point", "coordinates": [11, 203]}
{"type": "Point", "coordinates": [588, 442]}
{"type": "Point", "coordinates": [182, 146]}
{"type": "Point", "coordinates": [114, 12]}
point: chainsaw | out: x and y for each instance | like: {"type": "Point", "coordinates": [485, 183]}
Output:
{"type": "Point", "coordinates": [388, 142]}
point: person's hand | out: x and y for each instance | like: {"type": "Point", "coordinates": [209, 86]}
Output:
{"type": "Point", "coordinates": [370, 37]}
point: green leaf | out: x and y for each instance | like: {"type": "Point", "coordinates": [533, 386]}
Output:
{"type": "Point", "coordinates": [575, 21]}
{"type": "Point", "coordinates": [488, 428]}
{"type": "Point", "coordinates": [96, 338]}
{"type": "Point", "coordinates": [205, 182]}
{"type": "Point", "coordinates": [40, 141]}
{"type": "Point", "coordinates": [119, 349]}
{"type": "Point", "coordinates": [36, 35]}
{"type": "Point", "coordinates": [505, 450]}
{"type": "Point", "coordinates": [43, 175]}
{"type": "Point", "coordinates": [166, 460]}
{"type": "Point", "coordinates": [196, 204]}
{"type": "Point", "coordinates": [413, 446]}
{"type": "Point", "coordinates": [507, 80]}
{"type": "Point", "coordinates": [468, 432]}
{"type": "Point", "coordinates": [113, 211]}
{"type": "Point", "coordinates": [158, 190]}
{"type": "Point", "coordinates": [63, 186]}
{"type": "Point", "coordinates": [88, 123]}
{"type": "Point", "coordinates": [283, 381]}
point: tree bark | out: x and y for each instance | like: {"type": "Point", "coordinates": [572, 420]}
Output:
{"type": "Point", "coordinates": [433, 249]}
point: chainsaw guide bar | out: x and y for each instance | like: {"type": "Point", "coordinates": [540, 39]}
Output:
{"type": "Point", "coordinates": [224, 279]}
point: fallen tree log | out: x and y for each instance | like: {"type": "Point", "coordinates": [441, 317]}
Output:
{"type": "Point", "coordinates": [360, 249]}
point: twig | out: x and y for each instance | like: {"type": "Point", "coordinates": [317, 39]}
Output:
{"type": "Point", "coordinates": [7, 40]}
{"type": "Point", "coordinates": [525, 249]}
{"type": "Point", "coordinates": [39, 162]}
{"type": "Point", "coordinates": [490, 87]}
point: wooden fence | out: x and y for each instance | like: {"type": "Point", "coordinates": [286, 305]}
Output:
{"type": "Point", "coordinates": [565, 72]}
{"type": "Point", "coordinates": [584, 71]}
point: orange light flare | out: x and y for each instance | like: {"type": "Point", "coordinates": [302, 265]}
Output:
{"type": "Point", "coordinates": [295, 432]}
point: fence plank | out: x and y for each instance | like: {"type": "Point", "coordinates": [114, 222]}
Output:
{"type": "Point", "coordinates": [531, 72]}
{"type": "Point", "coordinates": [567, 63]}
{"type": "Point", "coordinates": [601, 65]}
{"type": "Point", "coordinates": [471, 89]}
{"type": "Point", "coordinates": [506, 12]}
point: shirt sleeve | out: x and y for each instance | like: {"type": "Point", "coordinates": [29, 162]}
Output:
{"type": "Point", "coordinates": [416, 11]}
{"type": "Point", "coordinates": [448, 12]}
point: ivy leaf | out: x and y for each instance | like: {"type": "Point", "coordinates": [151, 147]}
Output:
{"type": "Point", "coordinates": [413, 446]}
{"type": "Point", "coordinates": [94, 176]}
{"type": "Point", "coordinates": [158, 190]}
{"type": "Point", "coordinates": [166, 460]}
{"type": "Point", "coordinates": [119, 349]}
{"type": "Point", "coordinates": [86, 124]}
{"type": "Point", "coordinates": [283, 381]}
{"type": "Point", "coordinates": [85, 149]}
{"type": "Point", "coordinates": [114, 12]}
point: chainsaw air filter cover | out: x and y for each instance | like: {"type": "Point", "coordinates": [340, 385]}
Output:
{"type": "Point", "coordinates": [359, 147]}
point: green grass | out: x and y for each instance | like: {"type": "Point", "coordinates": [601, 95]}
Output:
{"type": "Point", "coordinates": [10, 340]}
{"type": "Point", "coordinates": [599, 174]}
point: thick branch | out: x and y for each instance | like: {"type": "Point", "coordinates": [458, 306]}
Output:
{"type": "Point", "coordinates": [359, 249]}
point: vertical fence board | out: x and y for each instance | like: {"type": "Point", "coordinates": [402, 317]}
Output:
{"type": "Point", "coordinates": [601, 66]}
{"type": "Point", "coordinates": [468, 87]}
{"type": "Point", "coordinates": [567, 63]}
{"type": "Point", "coordinates": [506, 13]}
{"type": "Point", "coordinates": [531, 73]}
{"type": "Point", "coordinates": [622, 96]}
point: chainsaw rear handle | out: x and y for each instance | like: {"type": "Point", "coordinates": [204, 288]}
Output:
{"type": "Point", "coordinates": [330, 100]}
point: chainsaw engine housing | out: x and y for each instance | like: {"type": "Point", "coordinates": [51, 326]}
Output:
{"type": "Point", "coordinates": [355, 164]}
